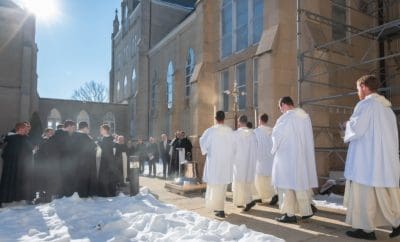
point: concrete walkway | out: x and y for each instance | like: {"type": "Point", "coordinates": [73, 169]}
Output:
{"type": "Point", "coordinates": [322, 227]}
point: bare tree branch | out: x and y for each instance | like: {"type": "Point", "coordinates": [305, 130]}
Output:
{"type": "Point", "coordinates": [91, 92]}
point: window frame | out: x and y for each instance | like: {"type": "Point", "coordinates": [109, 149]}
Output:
{"type": "Point", "coordinates": [241, 86]}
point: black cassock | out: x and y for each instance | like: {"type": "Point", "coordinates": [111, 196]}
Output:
{"type": "Point", "coordinates": [44, 170]}
{"type": "Point", "coordinates": [119, 149]}
{"type": "Point", "coordinates": [85, 149]}
{"type": "Point", "coordinates": [108, 172]}
{"type": "Point", "coordinates": [16, 178]}
{"type": "Point", "coordinates": [64, 163]}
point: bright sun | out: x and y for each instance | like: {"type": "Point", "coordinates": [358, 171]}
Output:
{"type": "Point", "coordinates": [43, 9]}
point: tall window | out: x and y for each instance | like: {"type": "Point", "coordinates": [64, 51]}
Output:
{"type": "Point", "coordinates": [53, 119]}
{"type": "Point", "coordinates": [226, 28]}
{"type": "Point", "coordinates": [190, 62]}
{"type": "Point", "coordinates": [133, 81]}
{"type": "Point", "coordinates": [255, 83]}
{"type": "Point", "coordinates": [224, 86]}
{"type": "Point", "coordinates": [339, 16]}
{"type": "Point", "coordinates": [242, 18]}
{"type": "Point", "coordinates": [126, 91]}
{"type": "Point", "coordinates": [241, 82]}
{"type": "Point", "coordinates": [118, 90]}
{"type": "Point", "coordinates": [153, 91]}
{"type": "Point", "coordinates": [170, 85]}
{"type": "Point", "coordinates": [109, 119]}
{"type": "Point", "coordinates": [83, 116]}
{"type": "Point", "coordinates": [258, 20]}
{"type": "Point", "coordinates": [242, 23]}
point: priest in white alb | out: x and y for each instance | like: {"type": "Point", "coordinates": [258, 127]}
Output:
{"type": "Point", "coordinates": [372, 170]}
{"type": "Point", "coordinates": [217, 144]}
{"type": "Point", "coordinates": [244, 165]}
{"type": "Point", "coordinates": [293, 172]}
{"type": "Point", "coordinates": [265, 190]}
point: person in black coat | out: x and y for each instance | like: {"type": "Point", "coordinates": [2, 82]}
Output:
{"type": "Point", "coordinates": [120, 150]}
{"type": "Point", "coordinates": [85, 149]}
{"type": "Point", "coordinates": [141, 151]}
{"type": "Point", "coordinates": [174, 153]}
{"type": "Point", "coordinates": [43, 167]}
{"type": "Point", "coordinates": [15, 183]}
{"type": "Point", "coordinates": [108, 172]}
{"type": "Point", "coordinates": [64, 161]}
{"type": "Point", "coordinates": [164, 148]}
{"type": "Point", "coordinates": [154, 156]}
{"type": "Point", "coordinates": [187, 145]}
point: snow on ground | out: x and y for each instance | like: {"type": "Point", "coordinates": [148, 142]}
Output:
{"type": "Point", "coordinates": [330, 202]}
{"type": "Point", "coordinates": [123, 218]}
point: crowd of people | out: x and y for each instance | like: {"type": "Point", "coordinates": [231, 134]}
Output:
{"type": "Point", "coordinates": [280, 161]}
{"type": "Point", "coordinates": [69, 160]}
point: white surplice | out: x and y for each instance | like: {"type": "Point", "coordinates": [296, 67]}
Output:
{"type": "Point", "coordinates": [217, 144]}
{"type": "Point", "coordinates": [263, 180]}
{"type": "Point", "coordinates": [293, 149]}
{"type": "Point", "coordinates": [244, 166]}
{"type": "Point", "coordinates": [373, 155]}
{"type": "Point", "coordinates": [245, 157]}
{"type": "Point", "coordinates": [264, 147]}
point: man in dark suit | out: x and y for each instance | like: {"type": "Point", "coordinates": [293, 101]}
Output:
{"type": "Point", "coordinates": [164, 153]}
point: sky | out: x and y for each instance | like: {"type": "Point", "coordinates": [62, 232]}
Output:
{"type": "Point", "coordinates": [74, 45]}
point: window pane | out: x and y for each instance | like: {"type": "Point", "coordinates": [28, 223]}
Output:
{"type": "Point", "coordinates": [224, 85]}
{"type": "Point", "coordinates": [170, 85]}
{"type": "Point", "coordinates": [241, 81]}
{"type": "Point", "coordinates": [339, 15]}
{"type": "Point", "coordinates": [258, 20]}
{"type": "Point", "coordinates": [226, 28]}
{"type": "Point", "coordinates": [241, 24]}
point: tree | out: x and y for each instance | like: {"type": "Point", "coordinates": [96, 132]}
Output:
{"type": "Point", "coordinates": [91, 92]}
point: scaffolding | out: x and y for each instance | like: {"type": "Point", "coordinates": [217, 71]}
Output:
{"type": "Point", "coordinates": [328, 67]}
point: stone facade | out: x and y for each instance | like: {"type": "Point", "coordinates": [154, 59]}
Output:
{"type": "Point", "coordinates": [18, 78]}
{"type": "Point", "coordinates": [266, 68]}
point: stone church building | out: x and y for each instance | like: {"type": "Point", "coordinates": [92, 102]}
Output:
{"type": "Point", "coordinates": [18, 82]}
{"type": "Point", "coordinates": [174, 63]}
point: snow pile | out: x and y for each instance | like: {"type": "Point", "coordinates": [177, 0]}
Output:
{"type": "Point", "coordinates": [140, 218]}
{"type": "Point", "coordinates": [330, 202]}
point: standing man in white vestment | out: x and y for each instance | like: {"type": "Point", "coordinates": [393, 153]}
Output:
{"type": "Point", "coordinates": [217, 143]}
{"type": "Point", "coordinates": [244, 166]}
{"type": "Point", "coordinates": [265, 159]}
{"type": "Point", "coordinates": [372, 168]}
{"type": "Point", "coordinates": [293, 172]}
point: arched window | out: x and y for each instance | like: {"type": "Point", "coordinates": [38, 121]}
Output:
{"type": "Point", "coordinates": [170, 85]}
{"type": "Point", "coordinates": [53, 119]}
{"type": "Point", "coordinates": [190, 62]}
{"type": "Point", "coordinates": [126, 91]}
{"type": "Point", "coordinates": [83, 116]}
{"type": "Point", "coordinates": [109, 119]}
{"type": "Point", "coordinates": [133, 81]}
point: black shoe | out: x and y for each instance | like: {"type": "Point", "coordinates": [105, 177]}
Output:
{"type": "Point", "coordinates": [286, 219]}
{"type": "Point", "coordinates": [220, 214]}
{"type": "Point", "coordinates": [249, 206]}
{"type": "Point", "coordinates": [274, 200]}
{"type": "Point", "coordinates": [314, 209]}
{"type": "Point", "coordinates": [395, 232]}
{"type": "Point", "coordinates": [240, 206]}
{"type": "Point", "coordinates": [361, 234]}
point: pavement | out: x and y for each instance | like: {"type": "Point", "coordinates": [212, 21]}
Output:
{"type": "Point", "coordinates": [324, 226]}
